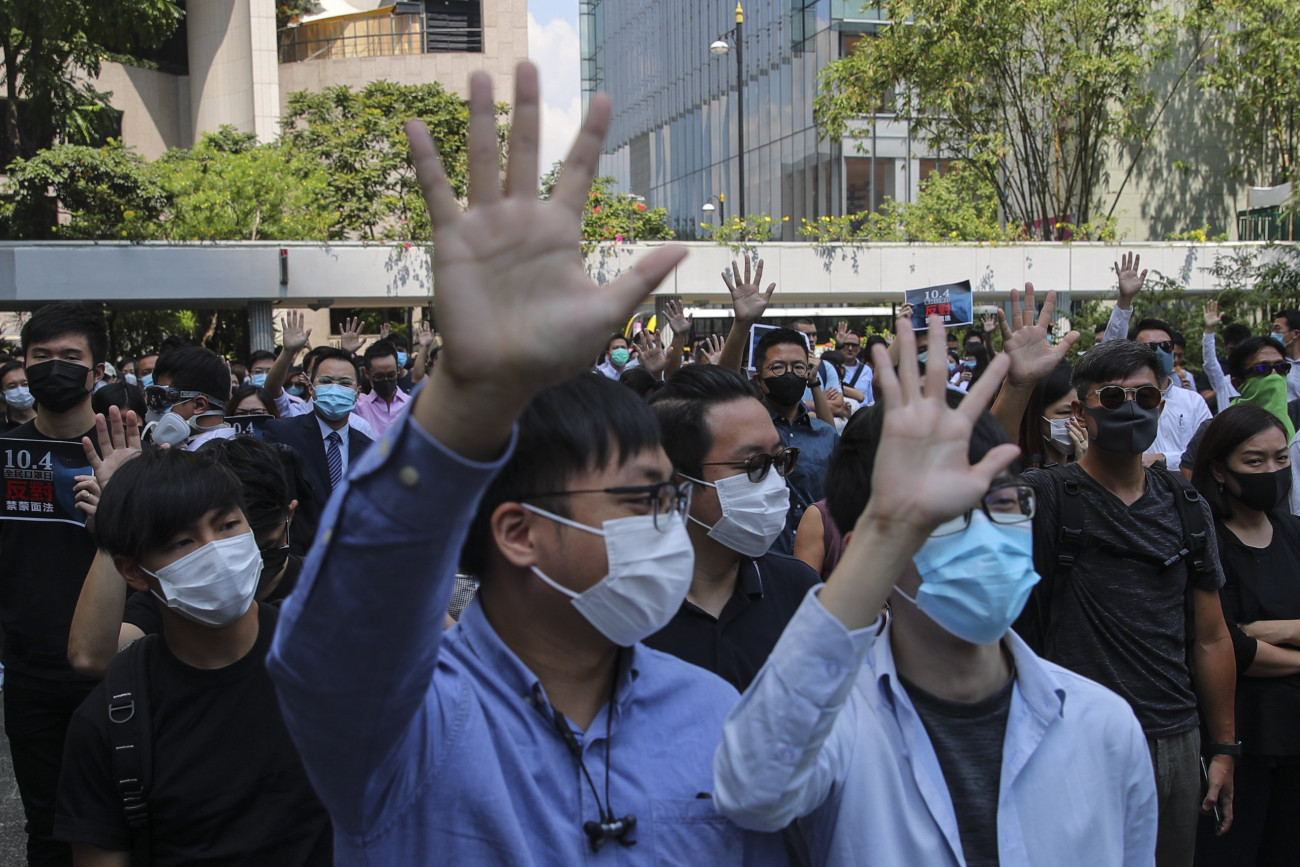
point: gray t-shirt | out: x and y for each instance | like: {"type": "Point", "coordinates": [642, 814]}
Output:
{"type": "Point", "coordinates": [1123, 622]}
{"type": "Point", "coordinates": [967, 740]}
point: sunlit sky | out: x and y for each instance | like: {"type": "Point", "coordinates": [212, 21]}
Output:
{"type": "Point", "coordinates": [553, 46]}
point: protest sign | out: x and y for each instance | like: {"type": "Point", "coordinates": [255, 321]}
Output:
{"type": "Point", "coordinates": [248, 424]}
{"type": "Point", "coordinates": [952, 301]}
{"type": "Point", "coordinates": [39, 476]}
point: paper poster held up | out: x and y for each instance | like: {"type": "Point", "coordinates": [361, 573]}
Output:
{"type": "Point", "coordinates": [952, 301]}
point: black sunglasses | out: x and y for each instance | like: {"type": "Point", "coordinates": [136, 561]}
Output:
{"type": "Point", "coordinates": [1279, 367]}
{"type": "Point", "coordinates": [1113, 396]}
{"type": "Point", "coordinates": [161, 397]}
{"type": "Point", "coordinates": [757, 466]}
{"type": "Point", "coordinates": [1163, 346]}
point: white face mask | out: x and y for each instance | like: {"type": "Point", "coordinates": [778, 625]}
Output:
{"type": "Point", "coordinates": [172, 428]}
{"type": "Point", "coordinates": [214, 585]}
{"type": "Point", "coordinates": [1060, 435]}
{"type": "Point", "coordinates": [753, 514]}
{"type": "Point", "coordinates": [649, 573]}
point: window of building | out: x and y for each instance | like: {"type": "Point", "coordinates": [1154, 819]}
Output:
{"type": "Point", "coordinates": [453, 25]}
{"type": "Point", "coordinates": [868, 182]}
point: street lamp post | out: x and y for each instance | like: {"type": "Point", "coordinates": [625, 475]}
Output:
{"type": "Point", "coordinates": [721, 209]}
{"type": "Point", "coordinates": [720, 47]}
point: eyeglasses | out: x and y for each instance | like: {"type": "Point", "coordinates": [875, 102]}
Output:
{"type": "Point", "coordinates": [258, 411]}
{"type": "Point", "coordinates": [383, 377]}
{"type": "Point", "coordinates": [161, 398]}
{"type": "Point", "coordinates": [850, 346]}
{"type": "Point", "coordinates": [779, 368]}
{"type": "Point", "coordinates": [329, 380]}
{"type": "Point", "coordinates": [756, 467]}
{"type": "Point", "coordinates": [1004, 504]}
{"type": "Point", "coordinates": [664, 498]}
{"type": "Point", "coordinates": [1113, 396]}
{"type": "Point", "coordinates": [1163, 346]}
{"type": "Point", "coordinates": [1280, 367]}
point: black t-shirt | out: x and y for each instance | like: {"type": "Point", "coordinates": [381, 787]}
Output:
{"type": "Point", "coordinates": [227, 787]}
{"type": "Point", "coordinates": [967, 740]}
{"type": "Point", "coordinates": [1123, 620]}
{"type": "Point", "coordinates": [735, 645]}
{"type": "Point", "coordinates": [1262, 584]}
{"type": "Point", "coordinates": [142, 608]}
{"type": "Point", "coordinates": [42, 567]}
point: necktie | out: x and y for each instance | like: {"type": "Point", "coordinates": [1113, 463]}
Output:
{"type": "Point", "coordinates": [334, 456]}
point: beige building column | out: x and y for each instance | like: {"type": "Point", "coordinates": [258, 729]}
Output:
{"type": "Point", "coordinates": [234, 70]}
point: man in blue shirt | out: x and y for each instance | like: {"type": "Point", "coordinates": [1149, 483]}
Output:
{"type": "Point", "coordinates": [537, 730]}
{"type": "Point", "coordinates": [933, 734]}
{"type": "Point", "coordinates": [782, 372]}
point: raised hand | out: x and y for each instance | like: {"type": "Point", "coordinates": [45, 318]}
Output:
{"type": "Point", "coordinates": [747, 297]}
{"type": "Point", "coordinates": [426, 335]}
{"type": "Point", "coordinates": [1130, 280]}
{"type": "Point", "coordinates": [384, 331]}
{"type": "Point", "coordinates": [119, 441]}
{"type": "Point", "coordinates": [651, 352]}
{"type": "Point", "coordinates": [86, 493]}
{"type": "Point", "coordinates": [1032, 356]}
{"type": "Point", "coordinates": [712, 349]}
{"type": "Point", "coordinates": [511, 265]}
{"type": "Point", "coordinates": [293, 337]}
{"type": "Point", "coordinates": [1212, 317]}
{"type": "Point", "coordinates": [841, 332]}
{"type": "Point", "coordinates": [677, 320]}
{"type": "Point", "coordinates": [350, 338]}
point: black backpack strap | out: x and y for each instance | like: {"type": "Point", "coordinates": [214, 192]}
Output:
{"type": "Point", "coordinates": [130, 733]}
{"type": "Point", "coordinates": [1195, 545]}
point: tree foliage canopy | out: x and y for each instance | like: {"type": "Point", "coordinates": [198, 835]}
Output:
{"type": "Point", "coordinates": [1032, 94]}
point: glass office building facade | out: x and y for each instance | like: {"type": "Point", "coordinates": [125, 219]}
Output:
{"type": "Point", "coordinates": [674, 136]}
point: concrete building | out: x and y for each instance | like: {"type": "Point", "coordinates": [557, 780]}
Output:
{"type": "Point", "coordinates": [228, 64]}
{"type": "Point", "coordinates": [677, 127]}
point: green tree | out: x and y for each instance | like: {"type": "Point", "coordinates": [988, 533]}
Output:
{"type": "Point", "coordinates": [1255, 57]}
{"type": "Point", "coordinates": [357, 137]}
{"type": "Point", "coordinates": [1032, 95]}
{"type": "Point", "coordinates": [612, 216]}
{"type": "Point", "coordinates": [51, 46]}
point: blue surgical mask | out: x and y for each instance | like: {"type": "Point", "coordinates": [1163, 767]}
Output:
{"type": "Point", "coordinates": [259, 379]}
{"type": "Point", "coordinates": [1166, 362]}
{"type": "Point", "coordinates": [924, 356]}
{"type": "Point", "coordinates": [975, 583]}
{"type": "Point", "coordinates": [296, 390]}
{"type": "Point", "coordinates": [401, 360]}
{"type": "Point", "coordinates": [1279, 337]}
{"type": "Point", "coordinates": [969, 365]}
{"type": "Point", "coordinates": [335, 401]}
{"type": "Point", "coordinates": [147, 380]}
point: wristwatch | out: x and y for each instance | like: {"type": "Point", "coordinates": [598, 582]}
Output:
{"type": "Point", "coordinates": [1223, 749]}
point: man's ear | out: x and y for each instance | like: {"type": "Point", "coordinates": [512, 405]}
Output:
{"type": "Point", "coordinates": [512, 531]}
{"type": "Point", "coordinates": [131, 573]}
{"type": "Point", "coordinates": [96, 373]}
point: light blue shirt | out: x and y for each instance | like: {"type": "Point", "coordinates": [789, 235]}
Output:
{"type": "Point", "coordinates": [432, 747]}
{"type": "Point", "coordinates": [829, 379]}
{"type": "Point", "coordinates": [827, 734]}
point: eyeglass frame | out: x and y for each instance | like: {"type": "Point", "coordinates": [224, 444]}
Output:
{"type": "Point", "coordinates": [1281, 368]}
{"type": "Point", "coordinates": [681, 502]}
{"type": "Point", "coordinates": [788, 367]}
{"type": "Point", "coordinates": [1127, 390]}
{"type": "Point", "coordinates": [1160, 345]}
{"type": "Point", "coordinates": [770, 464]}
{"type": "Point", "coordinates": [947, 528]}
{"type": "Point", "coordinates": [327, 380]}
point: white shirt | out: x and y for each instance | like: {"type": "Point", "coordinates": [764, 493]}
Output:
{"type": "Point", "coordinates": [1295, 474]}
{"type": "Point", "coordinates": [1224, 391]}
{"type": "Point", "coordinates": [325, 431]}
{"type": "Point", "coordinates": [827, 735]}
{"type": "Point", "coordinates": [1183, 413]}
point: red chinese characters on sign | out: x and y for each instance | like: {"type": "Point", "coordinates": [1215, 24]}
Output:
{"type": "Point", "coordinates": [938, 310]}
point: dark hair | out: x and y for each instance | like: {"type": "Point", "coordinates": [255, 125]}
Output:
{"type": "Point", "coordinates": [1047, 391]}
{"type": "Point", "coordinates": [56, 320]}
{"type": "Point", "coordinates": [1177, 338]}
{"type": "Point", "coordinates": [1234, 333]}
{"type": "Point", "coordinates": [245, 391]}
{"type": "Point", "coordinates": [639, 380]}
{"type": "Point", "coordinates": [150, 354]}
{"type": "Point", "coordinates": [874, 340]}
{"type": "Point", "coordinates": [776, 337]}
{"type": "Point", "coordinates": [848, 476]}
{"type": "Point", "coordinates": [1241, 354]}
{"type": "Point", "coordinates": [586, 421]}
{"type": "Point", "coordinates": [119, 394]}
{"type": "Point", "coordinates": [1100, 329]}
{"type": "Point", "coordinates": [195, 369]}
{"type": "Point", "coordinates": [157, 494]}
{"type": "Point", "coordinates": [972, 335]}
{"type": "Point", "coordinates": [9, 366]}
{"type": "Point", "coordinates": [261, 472]}
{"type": "Point", "coordinates": [836, 359]}
{"type": "Point", "coordinates": [981, 360]}
{"type": "Point", "coordinates": [1228, 430]}
{"type": "Point", "coordinates": [260, 355]}
{"type": "Point", "coordinates": [1111, 360]}
{"type": "Point", "coordinates": [1292, 317]}
{"type": "Point", "coordinates": [1150, 324]}
{"type": "Point", "coordinates": [380, 349]}
{"type": "Point", "coordinates": [398, 340]}
{"type": "Point", "coordinates": [682, 405]}
{"type": "Point", "coordinates": [617, 335]}
{"type": "Point", "coordinates": [309, 360]}
{"type": "Point", "coordinates": [332, 353]}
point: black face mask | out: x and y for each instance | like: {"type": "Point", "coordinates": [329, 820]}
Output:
{"type": "Point", "coordinates": [385, 388]}
{"type": "Point", "coordinates": [1129, 430]}
{"type": "Point", "coordinates": [58, 385]}
{"type": "Point", "coordinates": [272, 562]}
{"type": "Point", "coordinates": [1263, 492]}
{"type": "Point", "coordinates": [786, 389]}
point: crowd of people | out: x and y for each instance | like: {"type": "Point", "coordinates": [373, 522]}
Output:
{"type": "Point", "coordinates": [936, 598]}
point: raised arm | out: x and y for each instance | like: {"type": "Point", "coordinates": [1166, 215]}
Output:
{"type": "Point", "coordinates": [680, 323]}
{"type": "Point", "coordinates": [1130, 284]}
{"type": "Point", "coordinates": [1222, 386]}
{"type": "Point", "coordinates": [784, 744]}
{"type": "Point", "coordinates": [426, 338]}
{"type": "Point", "coordinates": [749, 301]}
{"type": "Point", "coordinates": [1032, 357]}
{"type": "Point", "coordinates": [293, 340]}
{"type": "Point", "coordinates": [355, 653]}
